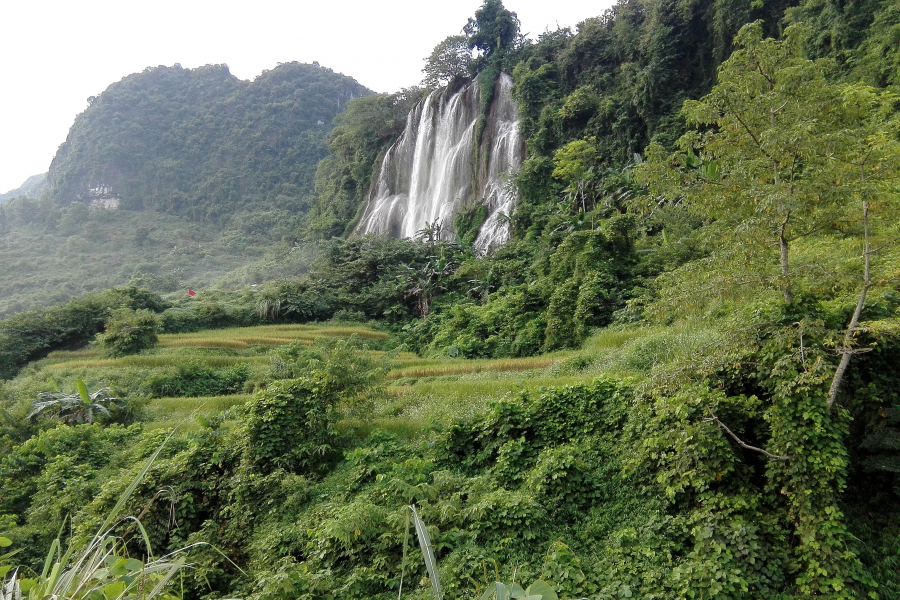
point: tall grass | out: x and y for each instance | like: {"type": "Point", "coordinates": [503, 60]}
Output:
{"type": "Point", "coordinates": [441, 368]}
{"type": "Point", "coordinates": [158, 361]}
{"type": "Point", "coordinates": [266, 335]}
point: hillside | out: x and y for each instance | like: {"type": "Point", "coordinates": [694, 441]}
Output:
{"type": "Point", "coordinates": [202, 143]}
{"type": "Point", "coordinates": [32, 187]}
{"type": "Point", "coordinates": [194, 173]}
{"type": "Point", "coordinates": [676, 380]}
{"type": "Point", "coordinates": [50, 255]}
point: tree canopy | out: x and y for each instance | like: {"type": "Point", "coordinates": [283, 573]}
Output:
{"type": "Point", "coordinates": [493, 29]}
{"type": "Point", "coordinates": [201, 142]}
{"type": "Point", "coordinates": [450, 59]}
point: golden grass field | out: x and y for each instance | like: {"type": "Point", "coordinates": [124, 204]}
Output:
{"type": "Point", "coordinates": [420, 391]}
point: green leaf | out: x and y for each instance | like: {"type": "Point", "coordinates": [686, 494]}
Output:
{"type": "Point", "coordinates": [133, 564]}
{"type": "Point", "coordinates": [502, 592]}
{"type": "Point", "coordinates": [543, 589]}
{"type": "Point", "coordinates": [516, 591]}
{"type": "Point", "coordinates": [489, 592]}
{"type": "Point", "coordinates": [114, 590]}
{"type": "Point", "coordinates": [26, 584]}
{"type": "Point", "coordinates": [4, 570]}
{"type": "Point", "coordinates": [117, 569]}
{"type": "Point", "coordinates": [5, 542]}
{"type": "Point", "coordinates": [82, 391]}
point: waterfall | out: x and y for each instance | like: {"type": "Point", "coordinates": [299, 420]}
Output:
{"type": "Point", "coordinates": [430, 172]}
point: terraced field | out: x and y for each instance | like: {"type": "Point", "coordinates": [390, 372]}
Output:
{"type": "Point", "coordinates": [419, 392]}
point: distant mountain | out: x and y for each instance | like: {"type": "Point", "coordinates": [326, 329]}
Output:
{"type": "Point", "coordinates": [202, 143]}
{"type": "Point", "coordinates": [32, 188]}
{"type": "Point", "coordinates": [210, 172]}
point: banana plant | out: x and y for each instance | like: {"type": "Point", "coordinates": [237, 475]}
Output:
{"type": "Point", "coordinates": [77, 407]}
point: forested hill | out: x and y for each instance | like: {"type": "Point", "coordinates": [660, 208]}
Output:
{"type": "Point", "coordinates": [202, 143]}
{"type": "Point", "coordinates": [676, 381]}
{"type": "Point", "coordinates": [32, 187]}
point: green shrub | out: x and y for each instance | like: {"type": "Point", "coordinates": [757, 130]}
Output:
{"type": "Point", "coordinates": [207, 311]}
{"type": "Point", "coordinates": [195, 379]}
{"type": "Point", "coordinates": [129, 332]}
{"type": "Point", "coordinates": [344, 368]}
{"type": "Point", "coordinates": [290, 425]}
{"type": "Point", "coordinates": [34, 334]}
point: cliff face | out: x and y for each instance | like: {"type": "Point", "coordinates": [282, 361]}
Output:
{"type": "Point", "coordinates": [433, 170]}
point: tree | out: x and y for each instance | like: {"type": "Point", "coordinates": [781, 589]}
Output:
{"type": "Point", "coordinates": [574, 166]}
{"type": "Point", "coordinates": [789, 154]}
{"type": "Point", "coordinates": [493, 29]}
{"type": "Point", "coordinates": [797, 178]}
{"type": "Point", "coordinates": [129, 331]}
{"type": "Point", "coordinates": [779, 154]}
{"type": "Point", "coordinates": [449, 59]}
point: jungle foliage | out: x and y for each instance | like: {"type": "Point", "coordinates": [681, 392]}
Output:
{"type": "Point", "coordinates": [32, 334]}
{"type": "Point", "coordinates": [706, 241]}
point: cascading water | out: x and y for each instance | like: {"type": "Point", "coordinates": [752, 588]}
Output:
{"type": "Point", "coordinates": [431, 171]}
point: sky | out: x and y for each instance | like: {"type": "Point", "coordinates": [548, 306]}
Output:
{"type": "Point", "coordinates": [54, 54]}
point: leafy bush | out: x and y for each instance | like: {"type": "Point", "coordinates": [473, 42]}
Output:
{"type": "Point", "coordinates": [129, 332]}
{"type": "Point", "coordinates": [194, 379]}
{"type": "Point", "coordinates": [290, 425]}
{"type": "Point", "coordinates": [210, 311]}
{"type": "Point", "coordinates": [345, 370]}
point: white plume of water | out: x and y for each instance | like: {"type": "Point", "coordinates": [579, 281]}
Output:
{"type": "Point", "coordinates": [431, 171]}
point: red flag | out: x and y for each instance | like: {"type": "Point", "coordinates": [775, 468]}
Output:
{"type": "Point", "coordinates": [191, 292]}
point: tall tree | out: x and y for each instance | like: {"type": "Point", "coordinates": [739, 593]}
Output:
{"type": "Point", "coordinates": [778, 153]}
{"type": "Point", "coordinates": [493, 29]}
{"type": "Point", "coordinates": [798, 176]}
{"type": "Point", "coordinates": [449, 59]}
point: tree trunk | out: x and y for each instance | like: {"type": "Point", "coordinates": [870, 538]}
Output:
{"type": "Point", "coordinates": [785, 270]}
{"type": "Point", "coordinates": [845, 350]}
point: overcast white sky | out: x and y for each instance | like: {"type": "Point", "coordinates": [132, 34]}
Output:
{"type": "Point", "coordinates": [54, 54]}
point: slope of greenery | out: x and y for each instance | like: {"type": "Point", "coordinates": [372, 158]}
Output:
{"type": "Point", "coordinates": [53, 254]}
{"type": "Point", "coordinates": [33, 187]}
{"type": "Point", "coordinates": [677, 381]}
{"type": "Point", "coordinates": [210, 171]}
{"type": "Point", "coordinates": [202, 143]}
{"type": "Point", "coordinates": [554, 482]}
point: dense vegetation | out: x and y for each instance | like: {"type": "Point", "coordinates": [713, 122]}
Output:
{"type": "Point", "coordinates": [677, 380]}
{"type": "Point", "coordinates": [210, 172]}
{"type": "Point", "coordinates": [51, 255]}
{"type": "Point", "coordinates": [203, 143]}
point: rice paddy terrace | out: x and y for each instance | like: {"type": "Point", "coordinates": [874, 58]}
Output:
{"type": "Point", "coordinates": [419, 392]}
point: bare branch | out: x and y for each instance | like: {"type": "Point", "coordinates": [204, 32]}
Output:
{"type": "Point", "coordinates": [752, 135]}
{"type": "Point", "coordinates": [845, 350]}
{"type": "Point", "coordinates": [740, 442]}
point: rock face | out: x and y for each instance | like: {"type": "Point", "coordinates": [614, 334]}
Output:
{"type": "Point", "coordinates": [437, 167]}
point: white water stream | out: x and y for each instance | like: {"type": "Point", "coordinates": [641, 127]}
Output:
{"type": "Point", "coordinates": [430, 172]}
